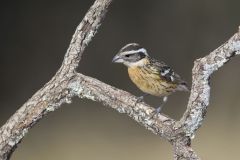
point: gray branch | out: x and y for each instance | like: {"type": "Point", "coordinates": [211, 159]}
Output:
{"type": "Point", "coordinates": [67, 83]}
{"type": "Point", "coordinates": [200, 93]}
{"type": "Point", "coordinates": [56, 91]}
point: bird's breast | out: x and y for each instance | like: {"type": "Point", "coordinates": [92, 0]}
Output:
{"type": "Point", "coordinates": [149, 82]}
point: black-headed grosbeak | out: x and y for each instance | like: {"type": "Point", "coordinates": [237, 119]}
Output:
{"type": "Point", "coordinates": [149, 75]}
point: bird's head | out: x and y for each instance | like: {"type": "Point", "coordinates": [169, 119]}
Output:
{"type": "Point", "coordinates": [131, 55]}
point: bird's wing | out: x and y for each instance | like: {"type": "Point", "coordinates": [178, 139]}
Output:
{"type": "Point", "coordinates": [165, 72]}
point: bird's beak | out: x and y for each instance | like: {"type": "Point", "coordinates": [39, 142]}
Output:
{"type": "Point", "coordinates": [117, 59]}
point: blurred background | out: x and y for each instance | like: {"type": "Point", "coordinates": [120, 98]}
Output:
{"type": "Point", "coordinates": [35, 36]}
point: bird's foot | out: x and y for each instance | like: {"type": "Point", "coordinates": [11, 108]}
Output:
{"type": "Point", "coordinates": [158, 109]}
{"type": "Point", "coordinates": [156, 112]}
{"type": "Point", "coordinates": [140, 99]}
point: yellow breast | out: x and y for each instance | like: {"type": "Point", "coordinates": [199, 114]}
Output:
{"type": "Point", "coordinates": [149, 82]}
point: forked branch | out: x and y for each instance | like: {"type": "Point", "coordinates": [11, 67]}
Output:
{"type": "Point", "coordinates": [67, 83]}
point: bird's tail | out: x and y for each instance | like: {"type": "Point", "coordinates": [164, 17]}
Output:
{"type": "Point", "coordinates": [183, 87]}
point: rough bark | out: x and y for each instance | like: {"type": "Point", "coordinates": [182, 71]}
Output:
{"type": "Point", "coordinates": [67, 83]}
{"type": "Point", "coordinates": [56, 91]}
{"type": "Point", "coordinates": [200, 92]}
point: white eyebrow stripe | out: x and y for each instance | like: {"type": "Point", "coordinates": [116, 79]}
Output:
{"type": "Point", "coordinates": [143, 50]}
{"type": "Point", "coordinates": [131, 44]}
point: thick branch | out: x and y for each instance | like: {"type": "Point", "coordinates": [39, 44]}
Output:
{"type": "Point", "coordinates": [55, 92]}
{"type": "Point", "coordinates": [124, 102]}
{"type": "Point", "coordinates": [84, 34]}
{"type": "Point", "coordinates": [200, 93]}
{"type": "Point", "coordinates": [182, 149]}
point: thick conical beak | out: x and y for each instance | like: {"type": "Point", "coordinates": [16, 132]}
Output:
{"type": "Point", "coordinates": [117, 59]}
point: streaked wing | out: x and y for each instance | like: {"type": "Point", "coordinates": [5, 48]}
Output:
{"type": "Point", "coordinates": [165, 71]}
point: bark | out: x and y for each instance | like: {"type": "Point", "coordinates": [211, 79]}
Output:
{"type": "Point", "coordinates": [201, 72]}
{"type": "Point", "coordinates": [67, 83]}
{"type": "Point", "coordinates": [55, 92]}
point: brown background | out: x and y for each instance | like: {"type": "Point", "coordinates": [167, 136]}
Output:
{"type": "Point", "coordinates": [34, 37]}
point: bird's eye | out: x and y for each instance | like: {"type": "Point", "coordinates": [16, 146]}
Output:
{"type": "Point", "coordinates": [127, 55]}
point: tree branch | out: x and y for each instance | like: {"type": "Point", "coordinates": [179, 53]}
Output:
{"type": "Point", "coordinates": [124, 102]}
{"type": "Point", "coordinates": [55, 92]}
{"type": "Point", "coordinates": [84, 34]}
{"type": "Point", "coordinates": [182, 149]}
{"type": "Point", "coordinates": [200, 93]}
{"type": "Point", "coordinates": [67, 83]}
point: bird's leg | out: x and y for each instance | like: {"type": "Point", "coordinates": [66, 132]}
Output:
{"type": "Point", "coordinates": [140, 99]}
{"type": "Point", "coordinates": [158, 110]}
{"type": "Point", "coordinates": [164, 101]}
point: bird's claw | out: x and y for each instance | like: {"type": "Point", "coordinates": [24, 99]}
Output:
{"type": "Point", "coordinates": [156, 111]}
{"type": "Point", "coordinates": [139, 99]}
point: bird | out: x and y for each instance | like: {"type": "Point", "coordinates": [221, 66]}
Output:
{"type": "Point", "coordinates": [151, 76]}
